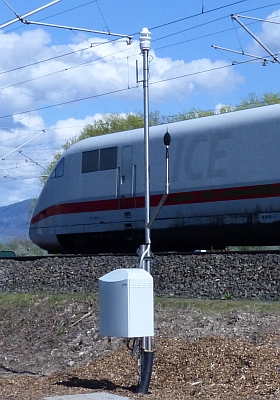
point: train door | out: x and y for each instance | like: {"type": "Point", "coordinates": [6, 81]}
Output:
{"type": "Point", "coordinates": [127, 189]}
{"type": "Point", "coordinates": [126, 173]}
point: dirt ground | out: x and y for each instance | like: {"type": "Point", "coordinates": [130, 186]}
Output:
{"type": "Point", "coordinates": [203, 349]}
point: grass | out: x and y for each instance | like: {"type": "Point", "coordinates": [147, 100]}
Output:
{"type": "Point", "coordinates": [207, 306]}
{"type": "Point", "coordinates": [25, 300]}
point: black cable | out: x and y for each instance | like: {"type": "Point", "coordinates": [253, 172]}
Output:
{"type": "Point", "coordinates": [202, 72]}
{"type": "Point", "coordinates": [124, 89]}
{"type": "Point", "coordinates": [190, 28]}
{"type": "Point", "coordinates": [209, 22]}
{"type": "Point", "coordinates": [236, 32]}
{"type": "Point", "coordinates": [102, 16]}
{"type": "Point", "coordinates": [121, 89]}
{"type": "Point", "coordinates": [42, 61]}
{"type": "Point", "coordinates": [259, 8]}
{"type": "Point", "coordinates": [69, 9]}
{"type": "Point", "coordinates": [163, 37]}
{"type": "Point", "coordinates": [69, 102]}
{"type": "Point", "coordinates": [198, 14]}
{"type": "Point", "coordinates": [87, 62]}
{"type": "Point", "coordinates": [110, 55]}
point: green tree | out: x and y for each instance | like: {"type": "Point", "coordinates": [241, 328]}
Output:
{"type": "Point", "coordinates": [191, 114]}
{"type": "Point", "coordinates": [23, 247]}
{"type": "Point", "coordinates": [271, 98]}
{"type": "Point", "coordinates": [253, 100]}
{"type": "Point", "coordinates": [226, 108]}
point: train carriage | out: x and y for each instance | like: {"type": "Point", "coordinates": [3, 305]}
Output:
{"type": "Point", "coordinates": [224, 188]}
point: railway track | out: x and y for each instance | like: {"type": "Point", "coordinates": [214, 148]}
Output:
{"type": "Point", "coordinates": [163, 254]}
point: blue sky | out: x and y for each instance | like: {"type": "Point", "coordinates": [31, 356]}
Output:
{"type": "Point", "coordinates": [41, 67]}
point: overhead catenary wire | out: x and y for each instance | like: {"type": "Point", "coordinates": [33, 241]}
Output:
{"type": "Point", "coordinates": [19, 18]}
{"type": "Point", "coordinates": [106, 56]}
{"type": "Point", "coordinates": [19, 147]}
{"type": "Point", "coordinates": [85, 63]}
{"type": "Point", "coordinates": [19, 178]}
{"type": "Point", "coordinates": [26, 81]}
{"type": "Point", "coordinates": [21, 167]}
{"type": "Point", "coordinates": [236, 32]}
{"type": "Point", "coordinates": [9, 153]}
{"type": "Point", "coordinates": [197, 14]}
{"type": "Point", "coordinates": [22, 19]}
{"type": "Point", "coordinates": [179, 76]}
{"type": "Point", "coordinates": [53, 15]}
{"type": "Point", "coordinates": [31, 160]}
{"type": "Point", "coordinates": [126, 88]}
{"type": "Point", "coordinates": [97, 3]}
{"type": "Point", "coordinates": [102, 58]}
{"type": "Point", "coordinates": [152, 28]}
{"type": "Point", "coordinates": [46, 60]}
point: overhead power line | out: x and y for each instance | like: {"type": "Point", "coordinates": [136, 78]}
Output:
{"type": "Point", "coordinates": [70, 101]}
{"type": "Point", "coordinates": [45, 60]}
{"type": "Point", "coordinates": [117, 91]}
{"type": "Point", "coordinates": [50, 16]}
{"type": "Point", "coordinates": [88, 47]}
{"type": "Point", "coordinates": [100, 58]}
{"type": "Point", "coordinates": [196, 15]}
{"type": "Point", "coordinates": [125, 89]}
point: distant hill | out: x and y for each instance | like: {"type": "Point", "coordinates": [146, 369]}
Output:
{"type": "Point", "coordinates": [14, 221]}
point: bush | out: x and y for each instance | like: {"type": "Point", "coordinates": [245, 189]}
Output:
{"type": "Point", "coordinates": [23, 247]}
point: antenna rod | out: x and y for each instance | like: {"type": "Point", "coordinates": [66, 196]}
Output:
{"type": "Point", "coordinates": [19, 18]}
{"type": "Point", "coordinates": [254, 37]}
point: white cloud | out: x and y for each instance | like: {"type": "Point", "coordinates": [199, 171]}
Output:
{"type": "Point", "coordinates": [111, 68]}
{"type": "Point", "coordinates": [216, 77]}
{"type": "Point", "coordinates": [20, 170]}
{"type": "Point", "coordinates": [111, 63]}
{"type": "Point", "coordinates": [30, 120]}
{"type": "Point", "coordinates": [70, 127]}
{"type": "Point", "coordinates": [269, 36]}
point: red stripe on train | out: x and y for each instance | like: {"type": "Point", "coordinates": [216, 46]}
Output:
{"type": "Point", "coordinates": [199, 196]}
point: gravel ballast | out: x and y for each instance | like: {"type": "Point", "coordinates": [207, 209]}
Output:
{"type": "Point", "coordinates": [243, 276]}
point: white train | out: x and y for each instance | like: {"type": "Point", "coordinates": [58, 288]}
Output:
{"type": "Point", "coordinates": [224, 188]}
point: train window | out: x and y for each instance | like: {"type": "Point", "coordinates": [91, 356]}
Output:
{"type": "Point", "coordinates": [99, 160]}
{"type": "Point", "coordinates": [90, 161]}
{"type": "Point", "coordinates": [108, 158]}
{"type": "Point", "coordinates": [59, 170]}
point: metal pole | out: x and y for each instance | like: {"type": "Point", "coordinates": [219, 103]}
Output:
{"type": "Point", "coordinates": [255, 37]}
{"type": "Point", "coordinates": [20, 17]}
{"type": "Point", "coordinates": [242, 53]}
{"type": "Point", "coordinates": [146, 353]}
{"type": "Point", "coordinates": [145, 44]}
{"type": "Point", "coordinates": [3, 158]}
{"type": "Point", "coordinates": [72, 28]}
